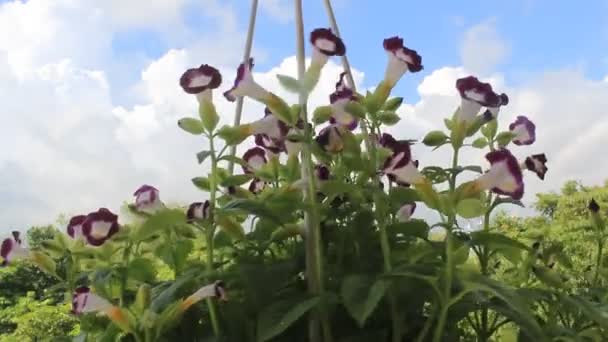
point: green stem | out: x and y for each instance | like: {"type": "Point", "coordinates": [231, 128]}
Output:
{"type": "Point", "coordinates": [209, 243]}
{"type": "Point", "coordinates": [484, 331]}
{"type": "Point", "coordinates": [125, 273]}
{"type": "Point", "coordinates": [319, 322]}
{"type": "Point", "coordinates": [447, 290]}
{"type": "Point", "coordinates": [427, 325]}
{"type": "Point", "coordinates": [246, 54]}
{"type": "Point", "coordinates": [598, 262]}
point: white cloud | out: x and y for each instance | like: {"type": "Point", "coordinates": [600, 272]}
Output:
{"type": "Point", "coordinates": [483, 48]}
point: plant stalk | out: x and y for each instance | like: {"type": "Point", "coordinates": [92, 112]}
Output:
{"type": "Point", "coordinates": [447, 290]}
{"type": "Point", "coordinates": [209, 236]}
{"type": "Point", "coordinates": [246, 54]}
{"type": "Point", "coordinates": [319, 322]}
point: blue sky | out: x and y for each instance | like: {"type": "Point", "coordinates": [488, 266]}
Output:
{"type": "Point", "coordinates": [541, 35]}
{"type": "Point", "coordinates": [91, 98]}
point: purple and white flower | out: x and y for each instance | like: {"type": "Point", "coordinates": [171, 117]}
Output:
{"type": "Point", "coordinates": [245, 85]}
{"type": "Point", "coordinates": [401, 169]}
{"type": "Point", "coordinates": [200, 81]}
{"type": "Point", "coordinates": [257, 185]}
{"type": "Point", "coordinates": [270, 132]}
{"type": "Point", "coordinates": [537, 164]}
{"type": "Point", "coordinates": [400, 60]}
{"type": "Point", "coordinates": [405, 212]}
{"type": "Point", "coordinates": [100, 226]}
{"type": "Point", "coordinates": [330, 139]}
{"type": "Point", "coordinates": [325, 44]}
{"type": "Point", "coordinates": [255, 159]}
{"type": "Point", "coordinates": [75, 226]}
{"type": "Point", "coordinates": [338, 100]}
{"type": "Point", "coordinates": [476, 94]}
{"type": "Point", "coordinates": [12, 249]}
{"type": "Point", "coordinates": [84, 301]}
{"type": "Point", "coordinates": [215, 290]}
{"type": "Point", "coordinates": [198, 211]}
{"type": "Point", "coordinates": [388, 141]}
{"type": "Point", "coordinates": [524, 131]}
{"type": "Point", "coordinates": [504, 177]}
{"type": "Point", "coordinates": [147, 199]}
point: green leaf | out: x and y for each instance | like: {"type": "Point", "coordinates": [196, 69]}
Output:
{"type": "Point", "coordinates": [233, 159]}
{"type": "Point", "coordinates": [435, 138]}
{"type": "Point", "coordinates": [162, 220]}
{"type": "Point", "coordinates": [279, 316]}
{"type": "Point", "coordinates": [208, 115]}
{"type": "Point", "coordinates": [233, 135]}
{"type": "Point", "coordinates": [289, 83]}
{"type": "Point", "coordinates": [508, 247]}
{"type": "Point", "coordinates": [44, 262]}
{"type": "Point", "coordinates": [321, 114]}
{"type": "Point", "coordinates": [593, 312]}
{"type": "Point", "coordinates": [174, 253]}
{"type": "Point", "coordinates": [361, 295]}
{"type": "Point", "coordinates": [355, 109]}
{"type": "Point", "coordinates": [548, 276]}
{"type": "Point", "coordinates": [415, 228]}
{"type": "Point", "coordinates": [389, 118]}
{"type": "Point", "coordinates": [191, 125]}
{"type": "Point", "coordinates": [504, 138]}
{"type": "Point", "coordinates": [236, 180]}
{"type": "Point", "coordinates": [480, 142]}
{"type": "Point", "coordinates": [202, 155]}
{"type": "Point", "coordinates": [393, 104]}
{"type": "Point", "coordinates": [399, 196]}
{"type": "Point", "coordinates": [470, 208]}
{"type": "Point", "coordinates": [449, 124]}
{"type": "Point", "coordinates": [523, 314]}
{"type": "Point", "coordinates": [231, 227]}
{"type": "Point", "coordinates": [489, 130]}
{"type": "Point", "coordinates": [142, 269]}
{"type": "Point", "coordinates": [201, 183]}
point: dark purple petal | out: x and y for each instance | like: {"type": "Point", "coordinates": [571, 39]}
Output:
{"type": "Point", "coordinates": [514, 171]}
{"type": "Point", "coordinates": [322, 172]}
{"type": "Point", "coordinates": [257, 185]}
{"type": "Point", "coordinates": [327, 42]}
{"type": "Point", "coordinates": [198, 211]}
{"type": "Point", "coordinates": [16, 236]}
{"type": "Point", "coordinates": [593, 206]}
{"type": "Point", "coordinates": [537, 164]}
{"type": "Point", "coordinates": [7, 247]}
{"type": "Point", "coordinates": [197, 80]}
{"type": "Point", "coordinates": [75, 225]}
{"type": "Point", "coordinates": [96, 235]}
{"type": "Point", "coordinates": [240, 75]}
{"type": "Point", "coordinates": [273, 145]}
{"type": "Point", "coordinates": [395, 46]}
{"type": "Point", "coordinates": [330, 139]}
{"type": "Point", "coordinates": [524, 130]}
{"type": "Point", "coordinates": [254, 157]}
{"type": "Point", "coordinates": [472, 89]}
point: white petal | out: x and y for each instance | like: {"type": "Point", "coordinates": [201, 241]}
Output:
{"type": "Point", "coordinates": [100, 229]}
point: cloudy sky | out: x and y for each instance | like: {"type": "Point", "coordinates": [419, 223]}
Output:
{"type": "Point", "coordinates": [90, 97]}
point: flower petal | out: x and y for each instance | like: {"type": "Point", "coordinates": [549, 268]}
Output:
{"type": "Point", "coordinates": [400, 60]}
{"type": "Point", "coordinates": [197, 80]}
{"type": "Point", "coordinates": [504, 176]}
{"type": "Point", "coordinates": [100, 226]}
{"type": "Point", "coordinates": [537, 164]}
{"type": "Point", "coordinates": [199, 211]}
{"type": "Point", "coordinates": [147, 199]}
{"type": "Point", "coordinates": [326, 42]}
{"type": "Point", "coordinates": [255, 158]}
{"type": "Point", "coordinates": [84, 301]}
{"type": "Point", "coordinates": [74, 228]}
{"type": "Point", "coordinates": [245, 85]}
{"type": "Point", "coordinates": [330, 139]}
{"type": "Point", "coordinates": [405, 212]}
{"type": "Point", "coordinates": [524, 131]}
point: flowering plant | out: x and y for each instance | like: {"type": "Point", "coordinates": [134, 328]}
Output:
{"type": "Point", "coordinates": [321, 223]}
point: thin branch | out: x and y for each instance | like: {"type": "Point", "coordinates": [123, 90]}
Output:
{"type": "Point", "coordinates": [246, 54]}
